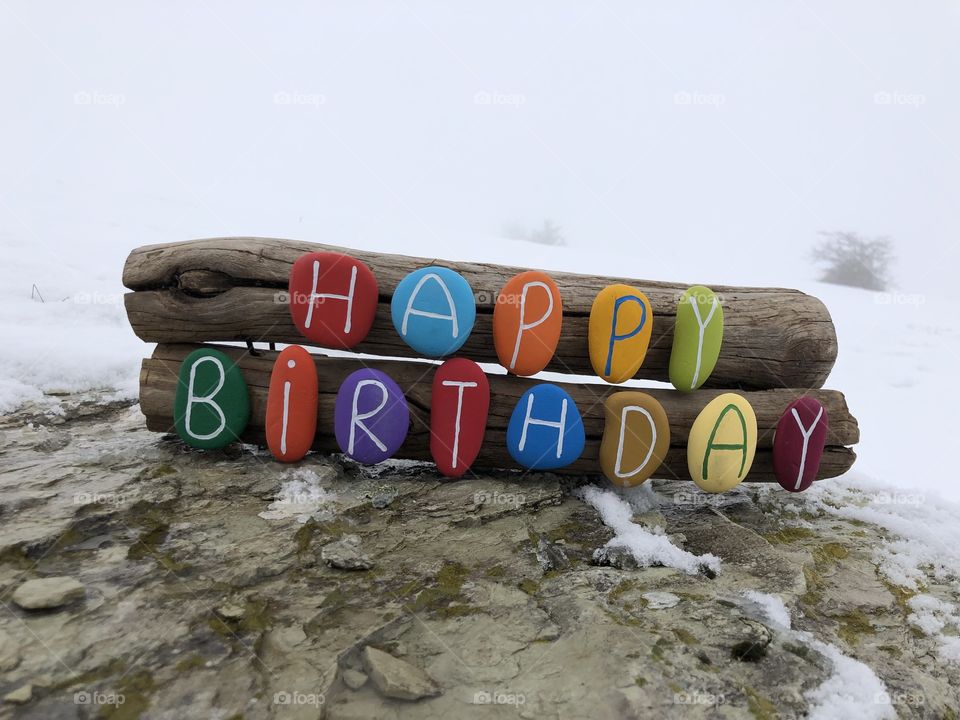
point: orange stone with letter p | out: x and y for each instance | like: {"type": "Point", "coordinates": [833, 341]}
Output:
{"type": "Point", "coordinates": [527, 320]}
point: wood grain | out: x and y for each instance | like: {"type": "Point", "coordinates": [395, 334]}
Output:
{"type": "Point", "coordinates": [232, 289]}
{"type": "Point", "coordinates": [158, 383]}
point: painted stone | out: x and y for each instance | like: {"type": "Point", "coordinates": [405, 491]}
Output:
{"type": "Point", "coordinates": [621, 322]}
{"type": "Point", "coordinates": [636, 438]}
{"type": "Point", "coordinates": [291, 420]}
{"type": "Point", "coordinates": [697, 337]}
{"type": "Point", "coordinates": [333, 298]}
{"type": "Point", "coordinates": [545, 431]}
{"type": "Point", "coordinates": [527, 320]}
{"type": "Point", "coordinates": [433, 310]}
{"type": "Point", "coordinates": [370, 416]}
{"type": "Point", "coordinates": [798, 443]}
{"type": "Point", "coordinates": [459, 401]}
{"type": "Point", "coordinates": [722, 443]}
{"type": "Point", "coordinates": [212, 405]}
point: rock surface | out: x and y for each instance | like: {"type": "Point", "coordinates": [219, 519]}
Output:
{"type": "Point", "coordinates": [346, 554]}
{"type": "Point", "coordinates": [162, 536]}
{"type": "Point", "coordinates": [396, 678]}
{"type": "Point", "coordinates": [47, 593]}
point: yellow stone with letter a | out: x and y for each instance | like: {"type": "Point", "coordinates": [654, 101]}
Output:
{"type": "Point", "coordinates": [722, 443]}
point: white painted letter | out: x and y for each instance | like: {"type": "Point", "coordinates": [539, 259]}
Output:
{"type": "Point", "coordinates": [357, 420]}
{"type": "Point", "coordinates": [523, 326]}
{"type": "Point", "coordinates": [702, 327]}
{"type": "Point", "coordinates": [314, 295]}
{"type": "Point", "coordinates": [410, 310]}
{"type": "Point", "coordinates": [460, 385]}
{"type": "Point", "coordinates": [527, 421]}
{"type": "Point", "coordinates": [806, 432]}
{"type": "Point", "coordinates": [623, 425]}
{"type": "Point", "coordinates": [205, 399]}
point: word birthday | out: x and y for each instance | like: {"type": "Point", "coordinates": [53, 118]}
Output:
{"type": "Point", "coordinates": [333, 302]}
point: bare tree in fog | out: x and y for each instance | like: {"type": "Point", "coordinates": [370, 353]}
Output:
{"type": "Point", "coordinates": [547, 234]}
{"type": "Point", "coordinates": [849, 259]}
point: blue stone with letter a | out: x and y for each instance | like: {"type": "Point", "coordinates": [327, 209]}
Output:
{"type": "Point", "coordinates": [545, 430]}
{"type": "Point", "coordinates": [433, 310]}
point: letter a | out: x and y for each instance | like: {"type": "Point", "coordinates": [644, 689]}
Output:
{"type": "Point", "coordinates": [411, 310]}
{"type": "Point", "coordinates": [742, 447]}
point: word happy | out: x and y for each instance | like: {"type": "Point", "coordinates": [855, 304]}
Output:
{"type": "Point", "coordinates": [333, 302]}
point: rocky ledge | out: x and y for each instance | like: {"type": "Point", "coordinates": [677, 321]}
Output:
{"type": "Point", "coordinates": [140, 578]}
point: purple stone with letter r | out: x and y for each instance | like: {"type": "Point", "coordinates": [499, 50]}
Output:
{"type": "Point", "coordinates": [370, 416]}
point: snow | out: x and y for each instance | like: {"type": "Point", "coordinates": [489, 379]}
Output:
{"type": "Point", "coordinates": [852, 690]}
{"type": "Point", "coordinates": [925, 532]}
{"type": "Point", "coordinates": [772, 607]}
{"type": "Point", "coordinates": [932, 616]}
{"type": "Point", "coordinates": [302, 497]}
{"type": "Point", "coordinates": [648, 547]}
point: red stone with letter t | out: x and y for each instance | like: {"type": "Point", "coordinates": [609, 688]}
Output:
{"type": "Point", "coordinates": [459, 402]}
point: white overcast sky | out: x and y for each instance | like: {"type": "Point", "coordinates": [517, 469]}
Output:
{"type": "Point", "coordinates": [735, 129]}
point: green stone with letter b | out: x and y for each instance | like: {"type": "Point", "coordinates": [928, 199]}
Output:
{"type": "Point", "coordinates": [212, 405]}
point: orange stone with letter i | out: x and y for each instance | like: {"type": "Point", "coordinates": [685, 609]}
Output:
{"type": "Point", "coordinates": [291, 420]}
{"type": "Point", "coordinates": [333, 299]}
{"type": "Point", "coordinates": [527, 320]}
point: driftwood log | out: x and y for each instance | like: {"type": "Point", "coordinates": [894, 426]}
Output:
{"type": "Point", "coordinates": [158, 384]}
{"type": "Point", "coordinates": [232, 289]}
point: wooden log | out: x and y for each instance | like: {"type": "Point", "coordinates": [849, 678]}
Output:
{"type": "Point", "coordinates": [158, 383]}
{"type": "Point", "coordinates": [231, 289]}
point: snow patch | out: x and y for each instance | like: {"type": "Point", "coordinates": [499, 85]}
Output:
{"type": "Point", "coordinates": [932, 616]}
{"type": "Point", "coordinates": [301, 497]}
{"type": "Point", "coordinates": [772, 607]}
{"type": "Point", "coordinates": [647, 547]}
{"type": "Point", "coordinates": [926, 528]}
{"type": "Point", "coordinates": [853, 690]}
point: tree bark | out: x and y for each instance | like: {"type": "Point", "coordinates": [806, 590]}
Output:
{"type": "Point", "coordinates": [232, 289]}
{"type": "Point", "coordinates": [158, 384]}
